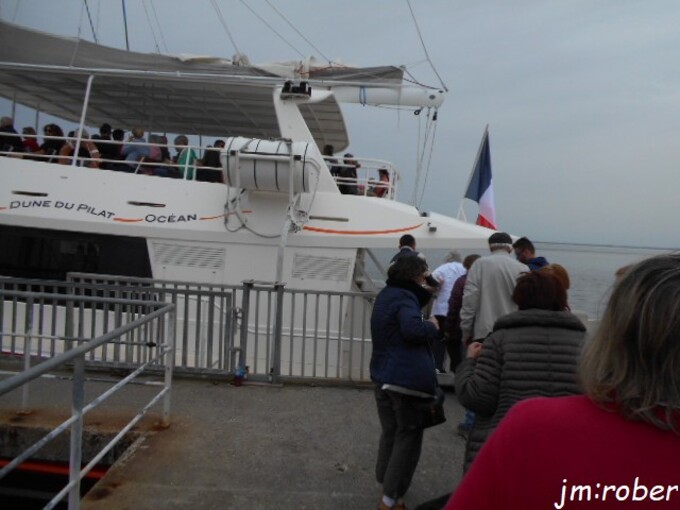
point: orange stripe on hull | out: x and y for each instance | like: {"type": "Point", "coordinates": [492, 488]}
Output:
{"type": "Point", "coordinates": [128, 220]}
{"type": "Point", "coordinates": [360, 232]}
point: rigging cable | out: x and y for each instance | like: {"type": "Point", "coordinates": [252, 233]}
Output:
{"type": "Point", "coordinates": [272, 29]}
{"type": "Point", "coordinates": [224, 25]}
{"type": "Point", "coordinates": [153, 32]}
{"type": "Point", "coordinates": [433, 125]}
{"type": "Point", "coordinates": [298, 32]}
{"type": "Point", "coordinates": [424, 157]}
{"type": "Point", "coordinates": [160, 27]}
{"type": "Point", "coordinates": [89, 17]}
{"type": "Point", "coordinates": [422, 42]}
{"type": "Point", "coordinates": [127, 39]}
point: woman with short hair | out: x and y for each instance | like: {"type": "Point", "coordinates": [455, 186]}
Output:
{"type": "Point", "coordinates": [530, 353]}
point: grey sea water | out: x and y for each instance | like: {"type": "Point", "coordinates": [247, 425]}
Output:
{"type": "Point", "coordinates": [591, 269]}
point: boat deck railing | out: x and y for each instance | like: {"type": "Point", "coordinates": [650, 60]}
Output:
{"type": "Point", "coordinates": [374, 177]}
{"type": "Point", "coordinates": [141, 324]}
{"type": "Point", "coordinates": [152, 163]}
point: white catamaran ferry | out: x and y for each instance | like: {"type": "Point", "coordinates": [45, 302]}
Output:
{"type": "Point", "coordinates": [279, 202]}
{"type": "Point", "coordinates": [272, 209]}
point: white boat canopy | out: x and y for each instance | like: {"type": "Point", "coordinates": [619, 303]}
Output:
{"type": "Point", "coordinates": [206, 96]}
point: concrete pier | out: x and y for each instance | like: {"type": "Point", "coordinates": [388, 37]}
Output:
{"type": "Point", "coordinates": [250, 447]}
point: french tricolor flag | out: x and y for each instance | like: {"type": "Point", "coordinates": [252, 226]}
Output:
{"type": "Point", "coordinates": [480, 188]}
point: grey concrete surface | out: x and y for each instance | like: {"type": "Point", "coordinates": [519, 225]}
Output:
{"type": "Point", "coordinates": [250, 447]}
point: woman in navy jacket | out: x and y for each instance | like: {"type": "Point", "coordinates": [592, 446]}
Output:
{"type": "Point", "coordinates": [403, 370]}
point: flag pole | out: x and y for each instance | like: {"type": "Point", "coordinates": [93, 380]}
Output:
{"type": "Point", "coordinates": [461, 211]}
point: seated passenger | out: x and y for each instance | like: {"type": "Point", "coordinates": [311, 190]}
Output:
{"type": "Point", "coordinates": [135, 149]}
{"type": "Point", "coordinates": [52, 142]}
{"type": "Point", "coordinates": [88, 154]}
{"type": "Point", "coordinates": [30, 140]}
{"type": "Point", "coordinates": [10, 140]}
{"type": "Point", "coordinates": [211, 158]}
{"type": "Point", "coordinates": [348, 175]}
{"type": "Point", "coordinates": [108, 150]}
{"type": "Point", "coordinates": [185, 158]}
{"type": "Point", "coordinates": [381, 188]}
{"type": "Point", "coordinates": [155, 162]}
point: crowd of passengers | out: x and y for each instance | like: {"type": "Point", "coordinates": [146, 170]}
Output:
{"type": "Point", "coordinates": [109, 150]}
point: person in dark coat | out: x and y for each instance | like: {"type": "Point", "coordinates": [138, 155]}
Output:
{"type": "Point", "coordinates": [533, 352]}
{"type": "Point", "coordinates": [10, 141]}
{"type": "Point", "coordinates": [402, 368]}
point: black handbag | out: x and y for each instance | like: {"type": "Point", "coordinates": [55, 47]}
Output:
{"type": "Point", "coordinates": [432, 411]}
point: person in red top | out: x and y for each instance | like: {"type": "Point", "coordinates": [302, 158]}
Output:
{"type": "Point", "coordinates": [618, 446]}
{"type": "Point", "coordinates": [30, 142]}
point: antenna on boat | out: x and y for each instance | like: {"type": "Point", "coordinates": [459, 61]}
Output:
{"type": "Point", "coordinates": [127, 40]}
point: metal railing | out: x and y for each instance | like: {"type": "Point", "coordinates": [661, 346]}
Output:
{"type": "Point", "coordinates": [143, 323]}
{"type": "Point", "coordinates": [276, 332]}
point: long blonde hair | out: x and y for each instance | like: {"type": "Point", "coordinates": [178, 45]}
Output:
{"type": "Point", "coordinates": [633, 361]}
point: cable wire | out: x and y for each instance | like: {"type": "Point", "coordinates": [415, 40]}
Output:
{"type": "Point", "coordinates": [153, 32]}
{"type": "Point", "coordinates": [160, 27]}
{"type": "Point", "coordinates": [298, 32]}
{"type": "Point", "coordinates": [224, 25]}
{"type": "Point", "coordinates": [422, 42]}
{"type": "Point", "coordinates": [433, 124]}
{"type": "Point", "coordinates": [89, 17]}
{"type": "Point", "coordinates": [272, 29]}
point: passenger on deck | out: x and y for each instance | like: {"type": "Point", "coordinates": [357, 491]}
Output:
{"type": "Point", "coordinates": [88, 154]}
{"type": "Point", "coordinates": [104, 133]}
{"type": "Point", "coordinates": [52, 142]}
{"type": "Point", "coordinates": [153, 162]}
{"type": "Point", "coordinates": [211, 158]}
{"type": "Point", "coordinates": [348, 175]}
{"type": "Point", "coordinates": [185, 158]}
{"type": "Point", "coordinates": [30, 140]}
{"type": "Point", "coordinates": [381, 187]}
{"type": "Point", "coordinates": [10, 140]}
{"type": "Point", "coordinates": [107, 148]}
{"type": "Point", "coordinates": [118, 135]}
{"type": "Point", "coordinates": [165, 152]}
{"type": "Point", "coordinates": [526, 254]}
{"type": "Point", "coordinates": [135, 149]}
{"type": "Point", "coordinates": [328, 151]}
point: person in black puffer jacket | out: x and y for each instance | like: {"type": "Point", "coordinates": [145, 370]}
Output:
{"type": "Point", "coordinates": [533, 352]}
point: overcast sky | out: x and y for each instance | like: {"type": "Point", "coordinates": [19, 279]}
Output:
{"type": "Point", "coordinates": [582, 97]}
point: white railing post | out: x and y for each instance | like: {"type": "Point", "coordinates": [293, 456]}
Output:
{"type": "Point", "coordinates": [28, 333]}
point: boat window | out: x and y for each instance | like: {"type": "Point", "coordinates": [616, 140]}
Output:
{"type": "Point", "coordinates": [51, 254]}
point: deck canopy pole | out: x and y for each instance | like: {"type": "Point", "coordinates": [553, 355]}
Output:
{"type": "Point", "coordinates": [289, 220]}
{"type": "Point", "coordinates": [83, 114]}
